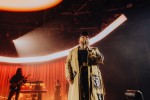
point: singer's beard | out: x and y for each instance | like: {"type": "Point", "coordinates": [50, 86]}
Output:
{"type": "Point", "coordinates": [83, 46]}
{"type": "Point", "coordinates": [84, 42]}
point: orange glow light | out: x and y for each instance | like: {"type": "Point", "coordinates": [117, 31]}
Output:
{"type": "Point", "coordinates": [64, 53]}
{"type": "Point", "coordinates": [27, 5]}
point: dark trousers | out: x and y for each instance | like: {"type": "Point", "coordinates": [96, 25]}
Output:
{"type": "Point", "coordinates": [11, 94]}
{"type": "Point", "coordinates": [84, 86]}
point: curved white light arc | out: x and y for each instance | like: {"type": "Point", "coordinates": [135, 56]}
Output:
{"type": "Point", "coordinates": [27, 5]}
{"type": "Point", "coordinates": [108, 29]}
{"type": "Point", "coordinates": [64, 53]}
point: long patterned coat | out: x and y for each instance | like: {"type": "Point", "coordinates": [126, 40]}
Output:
{"type": "Point", "coordinates": [96, 85]}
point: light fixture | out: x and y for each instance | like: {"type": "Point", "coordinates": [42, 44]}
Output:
{"type": "Point", "coordinates": [134, 95]}
{"type": "Point", "coordinates": [27, 5]}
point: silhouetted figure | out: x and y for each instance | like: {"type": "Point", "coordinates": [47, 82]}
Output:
{"type": "Point", "coordinates": [57, 92]}
{"type": "Point", "coordinates": [15, 84]}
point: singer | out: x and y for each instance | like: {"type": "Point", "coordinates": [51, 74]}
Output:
{"type": "Point", "coordinates": [83, 73]}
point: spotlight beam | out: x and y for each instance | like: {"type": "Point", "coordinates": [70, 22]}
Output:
{"type": "Point", "coordinates": [64, 53]}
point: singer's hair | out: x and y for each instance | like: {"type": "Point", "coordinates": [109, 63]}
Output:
{"type": "Point", "coordinates": [84, 33]}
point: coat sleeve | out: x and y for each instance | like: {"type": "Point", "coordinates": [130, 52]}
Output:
{"type": "Point", "coordinates": [95, 57]}
{"type": "Point", "coordinates": [99, 56]}
{"type": "Point", "coordinates": [68, 67]}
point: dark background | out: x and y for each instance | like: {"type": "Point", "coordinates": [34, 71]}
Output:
{"type": "Point", "coordinates": [127, 58]}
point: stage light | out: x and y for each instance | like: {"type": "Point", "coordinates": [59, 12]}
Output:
{"type": "Point", "coordinates": [34, 43]}
{"type": "Point", "coordinates": [64, 53]}
{"type": "Point", "coordinates": [27, 5]}
{"type": "Point", "coordinates": [134, 95]}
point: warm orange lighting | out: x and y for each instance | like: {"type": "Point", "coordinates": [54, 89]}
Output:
{"type": "Point", "coordinates": [64, 53]}
{"type": "Point", "coordinates": [27, 5]}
